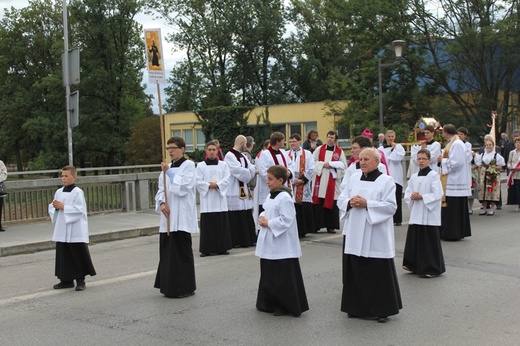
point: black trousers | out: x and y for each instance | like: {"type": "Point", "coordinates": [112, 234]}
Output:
{"type": "Point", "coordinates": [398, 216]}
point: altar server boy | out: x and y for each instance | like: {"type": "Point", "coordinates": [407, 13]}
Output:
{"type": "Point", "coordinates": [68, 212]}
{"type": "Point", "coordinates": [281, 289]}
{"type": "Point", "coordinates": [422, 250]}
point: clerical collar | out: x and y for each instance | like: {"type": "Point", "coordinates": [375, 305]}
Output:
{"type": "Point", "coordinates": [371, 176]}
{"type": "Point", "coordinates": [424, 172]}
{"type": "Point", "coordinates": [69, 188]}
{"type": "Point", "coordinates": [276, 151]}
{"type": "Point", "coordinates": [358, 165]}
{"type": "Point", "coordinates": [331, 148]}
{"type": "Point", "coordinates": [430, 142]}
{"type": "Point", "coordinates": [178, 163]}
{"type": "Point", "coordinates": [279, 190]}
{"type": "Point", "coordinates": [211, 162]}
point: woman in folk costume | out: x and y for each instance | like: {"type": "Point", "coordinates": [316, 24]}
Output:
{"type": "Point", "coordinates": [490, 165]}
{"type": "Point", "coordinates": [330, 165]}
{"type": "Point", "coordinates": [513, 196]}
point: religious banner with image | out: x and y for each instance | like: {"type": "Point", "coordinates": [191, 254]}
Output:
{"type": "Point", "coordinates": [154, 56]}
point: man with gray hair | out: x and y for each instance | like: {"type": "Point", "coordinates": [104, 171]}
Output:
{"type": "Point", "coordinates": [367, 205]}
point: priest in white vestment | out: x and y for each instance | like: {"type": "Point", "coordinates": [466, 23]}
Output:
{"type": "Point", "coordinates": [367, 204]}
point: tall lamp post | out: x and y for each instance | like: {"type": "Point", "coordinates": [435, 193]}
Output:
{"type": "Point", "coordinates": [398, 46]}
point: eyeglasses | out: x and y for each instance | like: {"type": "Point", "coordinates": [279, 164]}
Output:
{"type": "Point", "coordinates": [171, 148]}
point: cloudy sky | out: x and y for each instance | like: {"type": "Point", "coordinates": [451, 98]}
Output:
{"type": "Point", "coordinates": [170, 57]}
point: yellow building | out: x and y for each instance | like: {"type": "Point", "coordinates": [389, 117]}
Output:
{"type": "Point", "coordinates": [297, 118]}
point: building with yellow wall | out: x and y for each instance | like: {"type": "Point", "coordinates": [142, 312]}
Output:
{"type": "Point", "coordinates": [297, 118]}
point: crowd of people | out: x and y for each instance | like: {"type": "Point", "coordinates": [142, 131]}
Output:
{"type": "Point", "coordinates": [312, 187]}
{"type": "Point", "coordinates": [280, 196]}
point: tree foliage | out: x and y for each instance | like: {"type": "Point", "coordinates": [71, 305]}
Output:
{"type": "Point", "coordinates": [33, 120]}
{"type": "Point", "coordinates": [461, 55]}
{"type": "Point", "coordinates": [144, 146]}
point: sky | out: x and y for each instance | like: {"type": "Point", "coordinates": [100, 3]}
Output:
{"type": "Point", "coordinates": [169, 59]}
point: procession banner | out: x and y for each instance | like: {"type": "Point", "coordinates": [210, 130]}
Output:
{"type": "Point", "coordinates": [154, 56]}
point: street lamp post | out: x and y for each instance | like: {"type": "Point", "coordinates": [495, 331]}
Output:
{"type": "Point", "coordinates": [398, 46]}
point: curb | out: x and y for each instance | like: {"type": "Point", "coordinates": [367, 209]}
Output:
{"type": "Point", "coordinates": [95, 238]}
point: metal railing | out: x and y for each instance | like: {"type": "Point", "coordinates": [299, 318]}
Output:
{"type": "Point", "coordinates": [28, 199]}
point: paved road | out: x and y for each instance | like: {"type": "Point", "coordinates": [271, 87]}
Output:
{"type": "Point", "coordinates": [474, 303]}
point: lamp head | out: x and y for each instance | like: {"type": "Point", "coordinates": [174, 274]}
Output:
{"type": "Point", "coordinates": [398, 46]}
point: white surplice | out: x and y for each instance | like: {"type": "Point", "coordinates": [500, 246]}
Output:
{"type": "Point", "coordinates": [369, 231]}
{"type": "Point", "coordinates": [280, 239]}
{"type": "Point", "coordinates": [239, 173]}
{"type": "Point", "coordinates": [263, 163]}
{"type": "Point", "coordinates": [426, 211]}
{"type": "Point", "coordinates": [212, 200]}
{"type": "Point", "coordinates": [308, 173]}
{"type": "Point", "coordinates": [336, 171]}
{"type": "Point", "coordinates": [70, 224]}
{"type": "Point", "coordinates": [181, 199]}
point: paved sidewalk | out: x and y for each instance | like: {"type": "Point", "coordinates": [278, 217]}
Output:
{"type": "Point", "coordinates": [36, 236]}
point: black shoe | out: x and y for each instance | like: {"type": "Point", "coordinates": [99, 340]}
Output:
{"type": "Point", "coordinates": [352, 316]}
{"type": "Point", "coordinates": [382, 319]}
{"type": "Point", "coordinates": [80, 285]}
{"type": "Point", "coordinates": [185, 295]}
{"type": "Point", "coordinates": [279, 312]}
{"type": "Point", "coordinates": [397, 224]}
{"type": "Point", "coordinates": [63, 284]}
{"type": "Point", "coordinates": [2, 229]}
{"type": "Point", "coordinates": [204, 254]}
{"type": "Point", "coordinates": [224, 253]}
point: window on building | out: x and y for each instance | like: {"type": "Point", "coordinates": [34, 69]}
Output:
{"type": "Point", "coordinates": [307, 127]}
{"type": "Point", "coordinates": [295, 128]}
{"type": "Point", "coordinates": [200, 139]}
{"type": "Point", "coordinates": [176, 133]}
{"type": "Point", "coordinates": [188, 138]}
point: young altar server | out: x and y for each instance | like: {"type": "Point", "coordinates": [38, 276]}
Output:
{"type": "Point", "coordinates": [423, 251]}
{"type": "Point", "coordinates": [281, 289]}
{"type": "Point", "coordinates": [68, 212]}
{"type": "Point", "coordinates": [176, 271]}
{"type": "Point", "coordinates": [212, 184]}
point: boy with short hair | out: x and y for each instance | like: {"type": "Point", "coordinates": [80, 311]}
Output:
{"type": "Point", "coordinates": [281, 289]}
{"type": "Point", "coordinates": [68, 212]}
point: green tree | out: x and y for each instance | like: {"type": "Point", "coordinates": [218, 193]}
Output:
{"type": "Point", "coordinates": [32, 111]}
{"type": "Point", "coordinates": [112, 98]}
{"type": "Point", "coordinates": [144, 146]}
{"type": "Point", "coordinates": [470, 48]}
